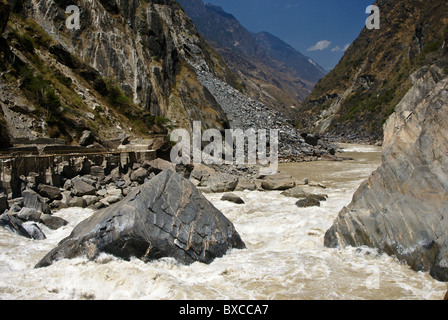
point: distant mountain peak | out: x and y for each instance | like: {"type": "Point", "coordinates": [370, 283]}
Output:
{"type": "Point", "coordinates": [219, 10]}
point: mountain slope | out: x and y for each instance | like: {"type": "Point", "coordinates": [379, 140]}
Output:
{"type": "Point", "coordinates": [262, 62]}
{"type": "Point", "coordinates": [294, 61]}
{"type": "Point", "coordinates": [355, 99]}
{"type": "Point", "coordinates": [128, 70]}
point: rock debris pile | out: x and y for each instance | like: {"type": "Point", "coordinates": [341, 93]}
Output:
{"type": "Point", "coordinates": [245, 113]}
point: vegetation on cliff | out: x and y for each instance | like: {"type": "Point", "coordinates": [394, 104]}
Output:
{"type": "Point", "coordinates": [356, 98]}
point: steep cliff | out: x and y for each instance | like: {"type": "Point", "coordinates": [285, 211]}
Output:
{"type": "Point", "coordinates": [403, 207]}
{"type": "Point", "coordinates": [355, 99]}
{"type": "Point", "coordinates": [129, 69]}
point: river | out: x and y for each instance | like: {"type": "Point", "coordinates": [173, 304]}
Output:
{"type": "Point", "coordinates": [285, 257]}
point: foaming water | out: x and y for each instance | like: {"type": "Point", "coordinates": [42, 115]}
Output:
{"type": "Point", "coordinates": [285, 257]}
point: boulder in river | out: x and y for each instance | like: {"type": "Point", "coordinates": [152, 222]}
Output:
{"type": "Point", "coordinates": [308, 201]}
{"type": "Point", "coordinates": [13, 224]}
{"type": "Point", "coordinates": [279, 181]}
{"type": "Point", "coordinates": [232, 198]}
{"type": "Point", "coordinates": [402, 209]}
{"type": "Point", "coordinates": [296, 192]}
{"type": "Point", "coordinates": [165, 217]}
{"type": "Point", "coordinates": [221, 182]}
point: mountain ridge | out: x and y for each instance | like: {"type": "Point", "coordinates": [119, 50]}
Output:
{"type": "Point", "coordinates": [266, 79]}
{"type": "Point", "coordinates": [356, 98]}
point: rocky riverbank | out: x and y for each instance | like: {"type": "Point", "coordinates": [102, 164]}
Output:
{"type": "Point", "coordinates": [35, 202]}
{"type": "Point", "coordinates": [179, 223]}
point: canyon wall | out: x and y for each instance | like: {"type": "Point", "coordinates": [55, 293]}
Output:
{"type": "Point", "coordinates": [402, 209]}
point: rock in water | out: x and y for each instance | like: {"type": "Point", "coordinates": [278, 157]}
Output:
{"type": "Point", "coordinates": [279, 181]}
{"type": "Point", "coordinates": [166, 217]}
{"type": "Point", "coordinates": [308, 201]}
{"type": "Point", "coordinates": [403, 208]}
{"type": "Point", "coordinates": [232, 198]}
{"type": "Point", "coordinates": [13, 224]}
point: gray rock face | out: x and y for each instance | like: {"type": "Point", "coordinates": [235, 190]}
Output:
{"type": "Point", "coordinates": [166, 217]}
{"type": "Point", "coordinates": [147, 69]}
{"type": "Point", "coordinates": [82, 188]}
{"type": "Point", "coordinates": [34, 201]}
{"type": "Point", "coordinates": [402, 209]}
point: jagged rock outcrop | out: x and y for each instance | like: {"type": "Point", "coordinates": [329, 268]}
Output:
{"type": "Point", "coordinates": [402, 209]}
{"type": "Point", "coordinates": [166, 217]}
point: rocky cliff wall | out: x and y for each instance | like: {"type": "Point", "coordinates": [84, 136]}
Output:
{"type": "Point", "coordinates": [147, 47]}
{"type": "Point", "coordinates": [402, 209]}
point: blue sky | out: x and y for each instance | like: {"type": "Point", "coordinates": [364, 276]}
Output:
{"type": "Point", "coordinates": [320, 29]}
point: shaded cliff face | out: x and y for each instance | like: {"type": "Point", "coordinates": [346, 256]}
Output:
{"type": "Point", "coordinates": [355, 99]}
{"type": "Point", "coordinates": [403, 208]}
{"type": "Point", "coordinates": [270, 70]}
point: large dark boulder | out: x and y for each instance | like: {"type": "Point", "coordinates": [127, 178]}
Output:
{"type": "Point", "coordinates": [165, 217]}
{"type": "Point", "coordinates": [312, 140]}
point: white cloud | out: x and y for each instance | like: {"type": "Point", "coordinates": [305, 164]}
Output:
{"type": "Point", "coordinates": [338, 48]}
{"type": "Point", "coordinates": [321, 45]}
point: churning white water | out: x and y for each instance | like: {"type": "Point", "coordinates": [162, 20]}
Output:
{"type": "Point", "coordinates": [285, 257]}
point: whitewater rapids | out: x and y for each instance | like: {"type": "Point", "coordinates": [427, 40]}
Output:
{"type": "Point", "coordinates": [285, 257]}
